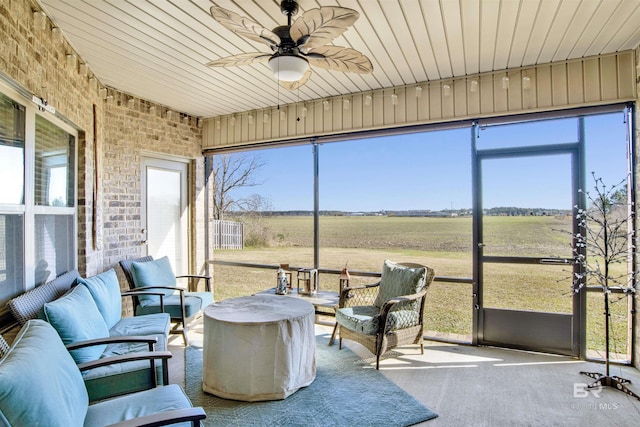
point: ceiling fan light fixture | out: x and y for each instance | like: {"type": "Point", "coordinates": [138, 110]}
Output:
{"type": "Point", "coordinates": [288, 68]}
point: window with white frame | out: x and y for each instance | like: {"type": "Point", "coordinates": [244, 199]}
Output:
{"type": "Point", "coordinates": [37, 195]}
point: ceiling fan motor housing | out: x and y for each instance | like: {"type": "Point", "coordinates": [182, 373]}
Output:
{"type": "Point", "coordinates": [287, 45]}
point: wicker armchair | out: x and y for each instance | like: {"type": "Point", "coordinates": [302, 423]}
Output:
{"type": "Point", "coordinates": [386, 314]}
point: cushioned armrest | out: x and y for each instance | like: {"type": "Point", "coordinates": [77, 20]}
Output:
{"type": "Point", "coordinates": [390, 304]}
{"type": "Point", "coordinates": [387, 306]}
{"type": "Point", "coordinates": [148, 339]}
{"type": "Point", "coordinates": [164, 356]}
{"type": "Point", "coordinates": [193, 415]}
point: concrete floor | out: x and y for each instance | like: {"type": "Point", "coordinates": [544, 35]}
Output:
{"type": "Point", "coordinates": [487, 386]}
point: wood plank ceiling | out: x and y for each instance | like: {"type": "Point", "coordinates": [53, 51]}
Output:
{"type": "Point", "coordinates": [157, 49]}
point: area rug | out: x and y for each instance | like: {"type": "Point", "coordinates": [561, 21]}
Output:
{"type": "Point", "coordinates": [344, 393]}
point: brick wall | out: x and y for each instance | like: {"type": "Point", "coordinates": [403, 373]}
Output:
{"type": "Point", "coordinates": [30, 58]}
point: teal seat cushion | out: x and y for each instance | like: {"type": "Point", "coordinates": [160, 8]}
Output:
{"type": "Point", "coordinates": [122, 378]}
{"type": "Point", "coordinates": [193, 303]}
{"type": "Point", "coordinates": [153, 273]}
{"type": "Point", "coordinates": [40, 383]}
{"type": "Point", "coordinates": [156, 400]}
{"type": "Point", "coordinates": [205, 297]}
{"type": "Point", "coordinates": [398, 280]}
{"type": "Point", "coordinates": [75, 317]}
{"type": "Point", "coordinates": [105, 290]}
{"type": "Point", "coordinates": [157, 324]}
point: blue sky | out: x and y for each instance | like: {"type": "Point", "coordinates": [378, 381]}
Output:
{"type": "Point", "coordinates": [433, 170]}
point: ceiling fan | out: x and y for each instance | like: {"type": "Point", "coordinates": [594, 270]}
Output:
{"type": "Point", "coordinates": [296, 46]}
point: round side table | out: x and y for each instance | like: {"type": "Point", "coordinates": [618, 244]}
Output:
{"type": "Point", "coordinates": [259, 347]}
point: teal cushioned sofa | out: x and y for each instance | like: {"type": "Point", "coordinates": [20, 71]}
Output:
{"type": "Point", "coordinates": [79, 318]}
{"type": "Point", "coordinates": [42, 386]}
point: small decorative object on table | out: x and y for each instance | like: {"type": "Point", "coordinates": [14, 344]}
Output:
{"type": "Point", "coordinates": [308, 277]}
{"type": "Point", "coordinates": [289, 274]}
{"type": "Point", "coordinates": [343, 279]}
{"type": "Point", "coordinates": [283, 283]}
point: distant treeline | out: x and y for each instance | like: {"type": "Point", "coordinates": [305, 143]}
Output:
{"type": "Point", "coordinates": [513, 211]}
{"type": "Point", "coordinates": [499, 211]}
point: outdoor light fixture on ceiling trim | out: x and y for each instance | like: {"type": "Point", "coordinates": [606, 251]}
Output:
{"type": "Point", "coordinates": [288, 68]}
{"type": "Point", "coordinates": [56, 35]}
{"type": "Point", "coordinates": [39, 19]}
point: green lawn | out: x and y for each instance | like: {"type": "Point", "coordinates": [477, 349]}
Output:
{"type": "Point", "coordinates": [362, 243]}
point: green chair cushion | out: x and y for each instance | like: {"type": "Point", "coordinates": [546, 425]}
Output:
{"type": "Point", "coordinates": [105, 290]}
{"type": "Point", "coordinates": [153, 273]}
{"type": "Point", "coordinates": [362, 319]}
{"type": "Point", "coordinates": [40, 382]}
{"type": "Point", "coordinates": [366, 319]}
{"type": "Point", "coordinates": [76, 318]}
{"type": "Point", "coordinates": [398, 280]}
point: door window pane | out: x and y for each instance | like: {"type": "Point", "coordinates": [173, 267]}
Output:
{"type": "Point", "coordinates": [11, 151]}
{"type": "Point", "coordinates": [54, 165]}
{"type": "Point", "coordinates": [527, 206]}
{"type": "Point", "coordinates": [164, 216]}
{"type": "Point", "coordinates": [54, 245]}
{"type": "Point", "coordinates": [11, 256]}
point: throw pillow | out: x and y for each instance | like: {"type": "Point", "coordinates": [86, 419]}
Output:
{"type": "Point", "coordinates": [41, 384]}
{"type": "Point", "coordinates": [153, 273]}
{"type": "Point", "coordinates": [398, 280]}
{"type": "Point", "coordinates": [105, 290]}
{"type": "Point", "coordinates": [76, 318]}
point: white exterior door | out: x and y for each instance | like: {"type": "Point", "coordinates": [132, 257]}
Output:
{"type": "Point", "coordinates": [164, 211]}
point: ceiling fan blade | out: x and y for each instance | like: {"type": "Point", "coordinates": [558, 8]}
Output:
{"type": "Point", "coordinates": [340, 59]}
{"type": "Point", "coordinates": [242, 59]}
{"type": "Point", "coordinates": [318, 27]}
{"type": "Point", "coordinates": [244, 26]}
{"type": "Point", "coordinates": [298, 83]}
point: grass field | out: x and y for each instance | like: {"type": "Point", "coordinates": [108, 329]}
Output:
{"type": "Point", "coordinates": [363, 242]}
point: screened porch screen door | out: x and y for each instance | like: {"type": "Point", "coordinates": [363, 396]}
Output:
{"type": "Point", "coordinates": [526, 250]}
{"type": "Point", "coordinates": [164, 211]}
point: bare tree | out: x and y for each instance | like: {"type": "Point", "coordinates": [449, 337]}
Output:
{"type": "Point", "coordinates": [606, 234]}
{"type": "Point", "coordinates": [230, 172]}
